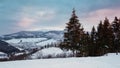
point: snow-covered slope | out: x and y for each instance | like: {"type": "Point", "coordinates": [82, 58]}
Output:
{"type": "Point", "coordinates": [7, 48]}
{"type": "Point", "coordinates": [110, 61]}
{"type": "Point", "coordinates": [43, 43]}
{"type": "Point", "coordinates": [26, 40]}
{"type": "Point", "coordinates": [29, 39]}
{"type": "Point", "coordinates": [31, 42]}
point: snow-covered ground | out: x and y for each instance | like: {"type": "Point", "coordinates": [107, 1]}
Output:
{"type": "Point", "coordinates": [110, 61]}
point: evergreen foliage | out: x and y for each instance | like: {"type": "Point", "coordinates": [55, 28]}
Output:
{"type": "Point", "coordinates": [72, 34]}
{"type": "Point", "coordinates": [100, 41]}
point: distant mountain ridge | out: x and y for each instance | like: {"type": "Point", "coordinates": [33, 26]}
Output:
{"type": "Point", "coordinates": [33, 34]}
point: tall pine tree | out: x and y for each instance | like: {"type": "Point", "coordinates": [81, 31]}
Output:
{"type": "Point", "coordinates": [92, 51]}
{"type": "Point", "coordinates": [108, 35]}
{"type": "Point", "coordinates": [99, 39]}
{"type": "Point", "coordinates": [105, 37]}
{"type": "Point", "coordinates": [116, 30]}
{"type": "Point", "coordinates": [72, 34]}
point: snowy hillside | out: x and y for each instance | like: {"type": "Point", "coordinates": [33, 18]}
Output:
{"type": "Point", "coordinates": [7, 48]}
{"type": "Point", "coordinates": [33, 39]}
{"type": "Point", "coordinates": [49, 41]}
{"type": "Point", "coordinates": [26, 40]}
{"type": "Point", "coordinates": [110, 61]}
{"type": "Point", "coordinates": [31, 42]}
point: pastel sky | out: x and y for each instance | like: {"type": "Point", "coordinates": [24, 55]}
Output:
{"type": "Point", "coordinates": [20, 15]}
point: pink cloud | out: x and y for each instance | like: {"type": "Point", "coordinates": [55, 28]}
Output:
{"type": "Point", "coordinates": [26, 22]}
{"type": "Point", "coordinates": [93, 18]}
{"type": "Point", "coordinates": [102, 13]}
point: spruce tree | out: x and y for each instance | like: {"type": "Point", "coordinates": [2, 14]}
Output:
{"type": "Point", "coordinates": [107, 36]}
{"type": "Point", "coordinates": [93, 42]}
{"type": "Point", "coordinates": [72, 34]}
{"type": "Point", "coordinates": [116, 30]}
{"type": "Point", "coordinates": [118, 49]}
{"type": "Point", "coordinates": [100, 40]}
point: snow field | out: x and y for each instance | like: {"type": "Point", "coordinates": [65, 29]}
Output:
{"type": "Point", "coordinates": [110, 61]}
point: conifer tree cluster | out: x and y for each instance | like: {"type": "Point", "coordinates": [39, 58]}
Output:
{"type": "Point", "coordinates": [101, 40]}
